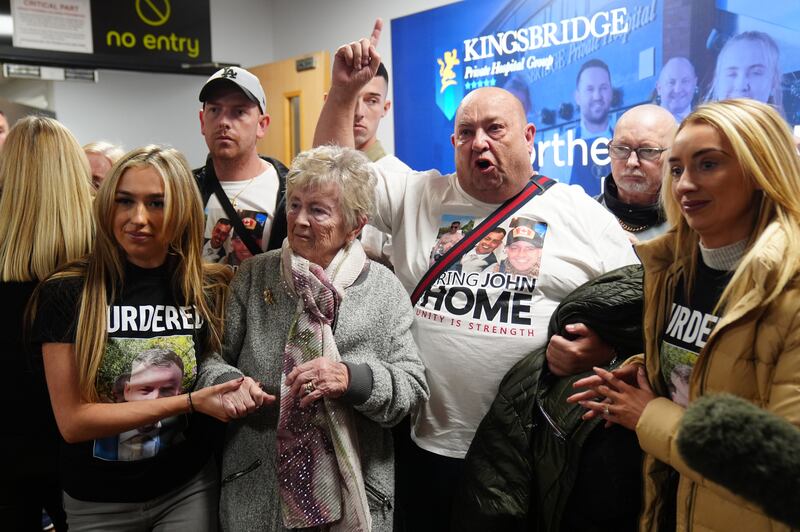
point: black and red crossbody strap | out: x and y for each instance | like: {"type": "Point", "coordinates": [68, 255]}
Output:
{"type": "Point", "coordinates": [537, 185]}
{"type": "Point", "coordinates": [234, 217]}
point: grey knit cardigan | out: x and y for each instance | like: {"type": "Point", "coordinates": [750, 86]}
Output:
{"type": "Point", "coordinates": [373, 328]}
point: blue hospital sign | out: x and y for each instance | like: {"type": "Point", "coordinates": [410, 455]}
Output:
{"type": "Point", "coordinates": [577, 66]}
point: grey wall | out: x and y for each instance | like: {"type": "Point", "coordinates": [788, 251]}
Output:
{"type": "Point", "coordinates": [310, 25]}
{"type": "Point", "coordinates": [137, 108]}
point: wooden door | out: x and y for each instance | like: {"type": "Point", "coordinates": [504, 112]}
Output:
{"type": "Point", "coordinates": [294, 101]}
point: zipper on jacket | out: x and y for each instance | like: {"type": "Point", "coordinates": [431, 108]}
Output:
{"type": "Point", "coordinates": [656, 509]}
{"type": "Point", "coordinates": [380, 497]}
{"type": "Point", "coordinates": [558, 432]}
{"type": "Point", "coordinates": [249, 469]}
{"type": "Point", "coordinates": [690, 506]}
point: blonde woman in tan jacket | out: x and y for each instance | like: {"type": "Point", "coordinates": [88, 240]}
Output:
{"type": "Point", "coordinates": [722, 301]}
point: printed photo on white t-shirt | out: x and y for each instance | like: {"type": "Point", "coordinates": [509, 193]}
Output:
{"type": "Point", "coordinates": [255, 201]}
{"type": "Point", "coordinates": [493, 282]}
{"type": "Point", "coordinates": [225, 245]}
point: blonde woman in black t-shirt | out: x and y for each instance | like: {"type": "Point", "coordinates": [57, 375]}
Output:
{"type": "Point", "coordinates": [124, 333]}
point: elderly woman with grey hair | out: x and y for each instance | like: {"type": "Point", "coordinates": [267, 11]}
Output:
{"type": "Point", "coordinates": [328, 331]}
{"type": "Point", "coordinates": [102, 156]}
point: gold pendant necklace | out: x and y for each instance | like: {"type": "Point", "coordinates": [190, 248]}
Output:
{"type": "Point", "coordinates": [235, 199]}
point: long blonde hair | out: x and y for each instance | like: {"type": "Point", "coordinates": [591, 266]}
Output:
{"type": "Point", "coordinates": [763, 145]}
{"type": "Point", "coordinates": [194, 282]}
{"type": "Point", "coordinates": [45, 209]}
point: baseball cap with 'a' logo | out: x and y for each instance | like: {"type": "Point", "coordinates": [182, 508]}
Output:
{"type": "Point", "coordinates": [247, 82]}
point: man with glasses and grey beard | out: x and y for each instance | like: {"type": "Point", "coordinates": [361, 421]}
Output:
{"type": "Point", "coordinates": [642, 137]}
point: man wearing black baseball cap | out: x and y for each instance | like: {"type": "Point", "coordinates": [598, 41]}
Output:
{"type": "Point", "coordinates": [235, 178]}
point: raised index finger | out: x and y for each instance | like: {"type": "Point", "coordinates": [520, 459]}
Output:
{"type": "Point", "coordinates": [376, 33]}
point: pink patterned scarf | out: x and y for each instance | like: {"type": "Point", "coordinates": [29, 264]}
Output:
{"type": "Point", "coordinates": [319, 470]}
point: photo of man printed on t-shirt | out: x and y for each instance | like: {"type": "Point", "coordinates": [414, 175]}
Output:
{"type": "Point", "coordinates": [452, 230]}
{"type": "Point", "coordinates": [513, 247]}
{"type": "Point", "coordinates": [486, 252]}
{"type": "Point", "coordinates": [679, 384]}
{"type": "Point", "coordinates": [214, 248]}
{"type": "Point", "coordinates": [154, 373]}
{"type": "Point", "coordinates": [254, 227]}
{"type": "Point", "coordinates": [225, 245]}
{"type": "Point", "coordinates": [523, 248]}
{"type": "Point", "coordinates": [677, 363]}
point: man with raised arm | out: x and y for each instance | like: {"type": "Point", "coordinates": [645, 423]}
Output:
{"type": "Point", "coordinates": [372, 105]}
{"type": "Point", "coordinates": [472, 327]}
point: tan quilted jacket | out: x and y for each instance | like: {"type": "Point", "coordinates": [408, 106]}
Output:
{"type": "Point", "coordinates": [754, 352]}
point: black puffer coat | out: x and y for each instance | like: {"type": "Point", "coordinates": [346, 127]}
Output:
{"type": "Point", "coordinates": [527, 457]}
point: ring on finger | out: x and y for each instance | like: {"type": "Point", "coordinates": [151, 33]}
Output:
{"type": "Point", "coordinates": [605, 410]}
{"type": "Point", "coordinates": [309, 387]}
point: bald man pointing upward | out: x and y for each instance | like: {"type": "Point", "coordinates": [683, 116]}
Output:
{"type": "Point", "coordinates": [471, 328]}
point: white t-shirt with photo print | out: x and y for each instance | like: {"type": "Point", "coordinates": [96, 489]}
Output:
{"type": "Point", "coordinates": [256, 199]}
{"type": "Point", "coordinates": [471, 328]}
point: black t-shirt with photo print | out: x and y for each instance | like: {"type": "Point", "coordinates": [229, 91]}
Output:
{"type": "Point", "coordinates": [152, 351]}
{"type": "Point", "coordinates": [689, 326]}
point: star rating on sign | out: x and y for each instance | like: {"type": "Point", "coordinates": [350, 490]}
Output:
{"type": "Point", "coordinates": [470, 85]}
